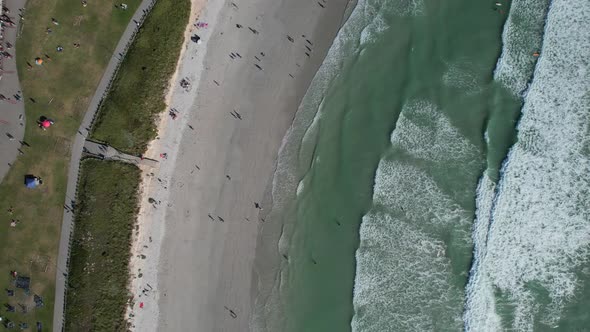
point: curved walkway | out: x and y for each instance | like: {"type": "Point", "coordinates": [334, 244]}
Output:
{"type": "Point", "coordinates": [77, 150]}
{"type": "Point", "coordinates": [12, 112]}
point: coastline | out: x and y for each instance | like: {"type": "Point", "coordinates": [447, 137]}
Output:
{"type": "Point", "coordinates": [206, 276]}
{"type": "Point", "coordinates": [149, 233]}
{"type": "Point", "coordinates": [198, 270]}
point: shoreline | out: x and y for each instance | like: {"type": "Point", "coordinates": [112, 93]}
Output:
{"type": "Point", "coordinates": [148, 236]}
{"type": "Point", "coordinates": [199, 238]}
{"type": "Point", "coordinates": [282, 187]}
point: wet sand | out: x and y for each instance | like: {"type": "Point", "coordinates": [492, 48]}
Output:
{"type": "Point", "coordinates": [201, 230]}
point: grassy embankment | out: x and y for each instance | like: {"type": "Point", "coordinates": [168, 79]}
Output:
{"type": "Point", "coordinates": [61, 89]}
{"type": "Point", "coordinates": [108, 203]}
{"type": "Point", "coordinates": [126, 119]}
{"type": "Point", "coordinates": [107, 210]}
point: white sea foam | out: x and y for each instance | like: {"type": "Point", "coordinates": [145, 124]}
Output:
{"type": "Point", "coordinates": [480, 294]}
{"type": "Point", "coordinates": [415, 264]}
{"type": "Point", "coordinates": [376, 23]}
{"type": "Point", "coordinates": [364, 19]}
{"type": "Point", "coordinates": [425, 132]}
{"type": "Point", "coordinates": [372, 31]}
{"type": "Point", "coordinates": [396, 190]}
{"type": "Point", "coordinates": [300, 187]}
{"type": "Point", "coordinates": [286, 180]}
{"type": "Point", "coordinates": [521, 38]}
{"type": "Point", "coordinates": [307, 120]}
{"type": "Point", "coordinates": [462, 75]}
{"type": "Point", "coordinates": [404, 7]}
{"type": "Point", "coordinates": [403, 279]}
{"type": "Point", "coordinates": [540, 223]}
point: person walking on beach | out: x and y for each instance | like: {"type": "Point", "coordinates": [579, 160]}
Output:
{"type": "Point", "coordinates": [231, 312]}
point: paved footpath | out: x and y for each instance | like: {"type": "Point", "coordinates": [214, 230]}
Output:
{"type": "Point", "coordinates": [77, 150]}
{"type": "Point", "coordinates": [12, 112]}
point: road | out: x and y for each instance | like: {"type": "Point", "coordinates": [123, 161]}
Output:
{"type": "Point", "coordinates": [12, 112]}
{"type": "Point", "coordinates": [73, 173]}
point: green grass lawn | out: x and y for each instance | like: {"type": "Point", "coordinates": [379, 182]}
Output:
{"type": "Point", "coordinates": [107, 193]}
{"type": "Point", "coordinates": [62, 89]}
{"type": "Point", "coordinates": [126, 119]}
{"type": "Point", "coordinates": [105, 214]}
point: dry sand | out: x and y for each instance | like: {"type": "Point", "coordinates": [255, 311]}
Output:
{"type": "Point", "coordinates": [199, 239]}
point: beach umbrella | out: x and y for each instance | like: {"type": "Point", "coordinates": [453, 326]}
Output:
{"type": "Point", "coordinates": [44, 122]}
{"type": "Point", "coordinates": [38, 61]}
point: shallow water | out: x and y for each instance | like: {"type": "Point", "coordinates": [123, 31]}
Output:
{"type": "Point", "coordinates": [392, 219]}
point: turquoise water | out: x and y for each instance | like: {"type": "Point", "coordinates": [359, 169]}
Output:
{"type": "Point", "coordinates": [436, 175]}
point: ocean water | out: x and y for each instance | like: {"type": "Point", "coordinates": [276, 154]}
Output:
{"type": "Point", "coordinates": [436, 175]}
{"type": "Point", "coordinates": [532, 239]}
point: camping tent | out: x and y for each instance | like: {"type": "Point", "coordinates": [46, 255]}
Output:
{"type": "Point", "coordinates": [32, 181]}
{"type": "Point", "coordinates": [23, 282]}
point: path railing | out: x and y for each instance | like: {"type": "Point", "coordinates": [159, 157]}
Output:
{"type": "Point", "coordinates": [63, 258]}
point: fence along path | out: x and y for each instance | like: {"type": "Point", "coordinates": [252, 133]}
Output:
{"type": "Point", "coordinates": [77, 151]}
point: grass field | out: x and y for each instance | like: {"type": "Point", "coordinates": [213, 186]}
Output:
{"type": "Point", "coordinates": [107, 193]}
{"type": "Point", "coordinates": [61, 89]}
{"type": "Point", "coordinates": [97, 293]}
{"type": "Point", "coordinates": [126, 119]}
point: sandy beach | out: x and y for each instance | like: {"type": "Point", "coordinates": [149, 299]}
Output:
{"type": "Point", "coordinates": [202, 207]}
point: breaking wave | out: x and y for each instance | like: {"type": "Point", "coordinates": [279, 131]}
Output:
{"type": "Point", "coordinates": [404, 270]}
{"type": "Point", "coordinates": [534, 232]}
{"type": "Point", "coordinates": [522, 38]}
{"type": "Point", "coordinates": [296, 152]}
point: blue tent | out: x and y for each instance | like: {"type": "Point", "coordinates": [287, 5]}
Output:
{"type": "Point", "coordinates": [32, 181]}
